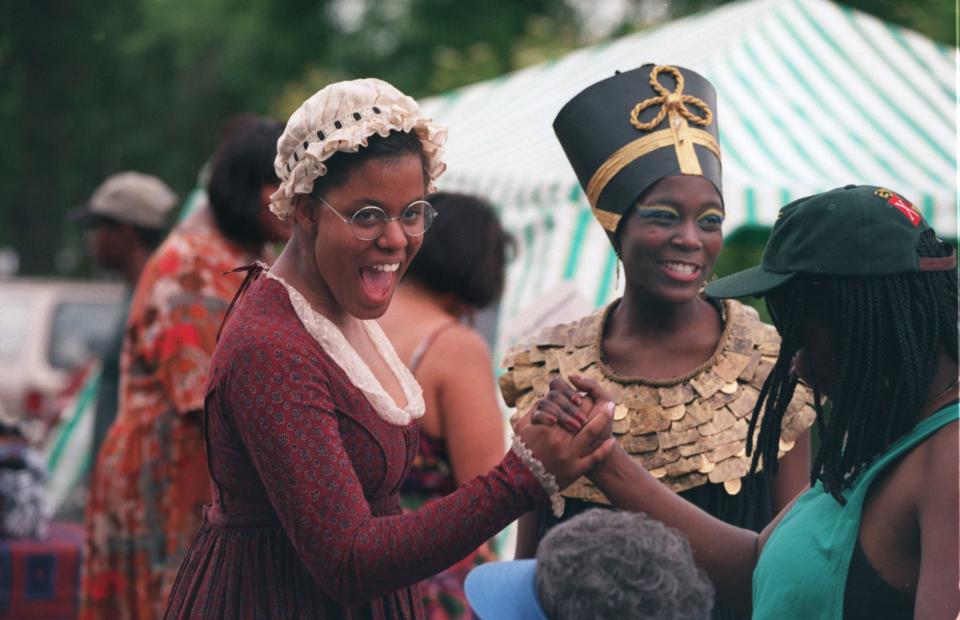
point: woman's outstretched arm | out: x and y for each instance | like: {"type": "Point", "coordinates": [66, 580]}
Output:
{"type": "Point", "coordinates": [291, 433]}
{"type": "Point", "coordinates": [726, 553]}
{"type": "Point", "coordinates": [528, 535]}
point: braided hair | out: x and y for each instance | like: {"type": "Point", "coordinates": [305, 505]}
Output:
{"type": "Point", "coordinates": [887, 333]}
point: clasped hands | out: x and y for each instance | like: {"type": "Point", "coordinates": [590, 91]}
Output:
{"type": "Point", "coordinates": [569, 428]}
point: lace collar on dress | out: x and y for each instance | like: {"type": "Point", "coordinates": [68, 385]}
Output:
{"type": "Point", "coordinates": [342, 352]}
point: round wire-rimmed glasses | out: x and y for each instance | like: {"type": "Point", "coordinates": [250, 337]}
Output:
{"type": "Point", "coordinates": [369, 222]}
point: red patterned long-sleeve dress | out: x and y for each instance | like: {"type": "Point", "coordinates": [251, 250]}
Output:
{"type": "Point", "coordinates": [305, 521]}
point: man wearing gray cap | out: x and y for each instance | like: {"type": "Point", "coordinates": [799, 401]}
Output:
{"type": "Point", "coordinates": [125, 220]}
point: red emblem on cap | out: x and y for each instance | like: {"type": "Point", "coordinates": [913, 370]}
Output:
{"type": "Point", "coordinates": [901, 204]}
{"type": "Point", "coordinates": [905, 207]}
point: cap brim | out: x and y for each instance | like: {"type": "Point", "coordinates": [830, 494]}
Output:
{"type": "Point", "coordinates": [85, 216]}
{"type": "Point", "coordinates": [80, 214]}
{"type": "Point", "coordinates": [504, 591]}
{"type": "Point", "coordinates": [753, 281]}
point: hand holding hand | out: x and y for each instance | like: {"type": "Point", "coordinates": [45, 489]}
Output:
{"type": "Point", "coordinates": [568, 456]}
{"type": "Point", "coordinates": [562, 405]}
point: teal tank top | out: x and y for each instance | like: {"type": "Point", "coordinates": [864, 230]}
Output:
{"type": "Point", "coordinates": [802, 570]}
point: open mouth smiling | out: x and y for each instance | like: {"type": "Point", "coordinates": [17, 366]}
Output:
{"type": "Point", "coordinates": [682, 268]}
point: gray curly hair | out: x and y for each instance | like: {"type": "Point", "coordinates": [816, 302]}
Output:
{"type": "Point", "coordinates": [611, 564]}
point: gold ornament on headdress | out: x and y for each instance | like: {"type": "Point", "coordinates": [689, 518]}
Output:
{"type": "Point", "coordinates": [680, 135]}
{"type": "Point", "coordinates": [670, 103]}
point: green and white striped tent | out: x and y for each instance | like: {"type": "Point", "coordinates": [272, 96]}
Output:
{"type": "Point", "coordinates": [812, 95]}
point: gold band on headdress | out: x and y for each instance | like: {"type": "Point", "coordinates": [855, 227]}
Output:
{"type": "Point", "coordinates": [607, 219]}
{"type": "Point", "coordinates": [679, 134]}
{"type": "Point", "coordinates": [640, 147]}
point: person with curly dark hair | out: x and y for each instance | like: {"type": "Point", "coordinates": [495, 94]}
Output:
{"type": "Point", "coordinates": [865, 298]}
{"type": "Point", "coordinates": [459, 270]}
{"type": "Point", "coordinates": [600, 564]}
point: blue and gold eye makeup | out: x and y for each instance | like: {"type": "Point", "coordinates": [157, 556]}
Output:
{"type": "Point", "coordinates": [711, 219]}
{"type": "Point", "coordinates": [662, 214]}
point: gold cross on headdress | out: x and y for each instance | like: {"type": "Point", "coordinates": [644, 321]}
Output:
{"type": "Point", "coordinates": [682, 137]}
{"type": "Point", "coordinates": [673, 105]}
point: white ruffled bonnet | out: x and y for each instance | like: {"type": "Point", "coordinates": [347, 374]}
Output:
{"type": "Point", "coordinates": [341, 117]}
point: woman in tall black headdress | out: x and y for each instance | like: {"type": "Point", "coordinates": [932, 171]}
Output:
{"type": "Point", "coordinates": [684, 369]}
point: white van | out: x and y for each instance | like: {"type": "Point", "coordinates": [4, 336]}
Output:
{"type": "Point", "coordinates": [49, 329]}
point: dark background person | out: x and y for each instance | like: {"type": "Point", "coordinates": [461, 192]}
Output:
{"type": "Point", "coordinates": [865, 297]}
{"type": "Point", "coordinates": [599, 565]}
{"type": "Point", "coordinates": [125, 220]}
{"type": "Point", "coordinates": [150, 482]}
{"type": "Point", "coordinates": [459, 269]}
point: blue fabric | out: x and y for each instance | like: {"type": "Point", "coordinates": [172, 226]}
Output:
{"type": "Point", "coordinates": [41, 577]}
{"type": "Point", "coordinates": [504, 591]}
{"type": "Point", "coordinates": [6, 578]}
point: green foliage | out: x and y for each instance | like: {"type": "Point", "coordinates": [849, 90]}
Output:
{"type": "Point", "coordinates": [101, 86]}
{"type": "Point", "coordinates": [423, 46]}
{"type": "Point", "coordinates": [91, 88]}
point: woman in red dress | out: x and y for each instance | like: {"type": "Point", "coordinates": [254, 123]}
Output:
{"type": "Point", "coordinates": [309, 412]}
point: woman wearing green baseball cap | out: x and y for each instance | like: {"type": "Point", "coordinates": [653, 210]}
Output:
{"type": "Point", "coordinates": [864, 296]}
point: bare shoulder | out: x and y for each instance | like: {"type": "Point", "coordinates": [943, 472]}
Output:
{"type": "Point", "coordinates": [926, 478]}
{"type": "Point", "coordinates": [938, 512]}
{"type": "Point", "coordinates": [464, 342]}
{"type": "Point", "coordinates": [938, 457]}
{"type": "Point", "coordinates": [456, 353]}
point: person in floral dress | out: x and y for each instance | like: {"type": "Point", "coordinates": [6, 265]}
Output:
{"type": "Point", "coordinates": [459, 270]}
{"type": "Point", "coordinates": [150, 480]}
